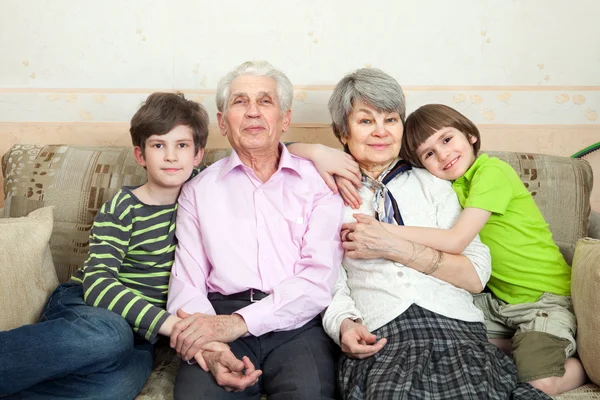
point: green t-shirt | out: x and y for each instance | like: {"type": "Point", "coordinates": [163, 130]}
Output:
{"type": "Point", "coordinates": [525, 260]}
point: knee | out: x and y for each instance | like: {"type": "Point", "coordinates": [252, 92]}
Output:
{"type": "Point", "coordinates": [191, 382]}
{"type": "Point", "coordinates": [547, 385]}
{"type": "Point", "coordinates": [113, 337]}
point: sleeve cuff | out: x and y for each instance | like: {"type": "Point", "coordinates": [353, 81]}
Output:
{"type": "Point", "coordinates": [333, 328]}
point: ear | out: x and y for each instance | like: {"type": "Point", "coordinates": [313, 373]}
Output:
{"type": "Point", "coordinates": [472, 139]}
{"type": "Point", "coordinates": [198, 157]}
{"type": "Point", "coordinates": [287, 119]}
{"type": "Point", "coordinates": [139, 157]}
{"type": "Point", "coordinates": [221, 122]}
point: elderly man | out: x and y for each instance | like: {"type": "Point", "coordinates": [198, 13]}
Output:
{"type": "Point", "coordinates": [259, 247]}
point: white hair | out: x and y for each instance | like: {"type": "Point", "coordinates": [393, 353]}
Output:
{"type": "Point", "coordinates": [285, 90]}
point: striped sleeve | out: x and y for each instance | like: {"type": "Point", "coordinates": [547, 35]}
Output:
{"type": "Point", "coordinates": [109, 243]}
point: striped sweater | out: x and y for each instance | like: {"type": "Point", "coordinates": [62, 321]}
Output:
{"type": "Point", "coordinates": [132, 248]}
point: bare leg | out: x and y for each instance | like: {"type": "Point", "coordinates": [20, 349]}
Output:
{"type": "Point", "coordinates": [573, 378]}
{"type": "Point", "coordinates": [503, 344]}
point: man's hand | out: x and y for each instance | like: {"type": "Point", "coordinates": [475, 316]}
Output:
{"type": "Point", "coordinates": [357, 342]}
{"type": "Point", "coordinates": [208, 347]}
{"type": "Point", "coordinates": [191, 333]}
{"type": "Point", "coordinates": [229, 372]}
{"type": "Point", "coordinates": [349, 192]}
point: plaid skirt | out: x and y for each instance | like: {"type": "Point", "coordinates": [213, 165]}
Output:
{"type": "Point", "coordinates": [429, 356]}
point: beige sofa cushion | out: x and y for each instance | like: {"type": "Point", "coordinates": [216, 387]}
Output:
{"type": "Point", "coordinates": [585, 284]}
{"type": "Point", "coordinates": [76, 180]}
{"type": "Point", "coordinates": [561, 188]}
{"type": "Point", "coordinates": [26, 269]}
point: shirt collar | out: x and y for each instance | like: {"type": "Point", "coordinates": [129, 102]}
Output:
{"type": "Point", "coordinates": [286, 161]}
{"type": "Point", "coordinates": [478, 162]}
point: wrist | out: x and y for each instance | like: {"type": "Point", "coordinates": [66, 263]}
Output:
{"type": "Point", "coordinates": [348, 323]}
{"type": "Point", "coordinates": [167, 327]}
{"type": "Point", "coordinates": [239, 325]}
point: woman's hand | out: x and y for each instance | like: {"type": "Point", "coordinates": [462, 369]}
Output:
{"type": "Point", "coordinates": [368, 238]}
{"type": "Point", "coordinates": [357, 342]}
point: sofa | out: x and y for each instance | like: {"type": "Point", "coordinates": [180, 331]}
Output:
{"type": "Point", "coordinates": [77, 180]}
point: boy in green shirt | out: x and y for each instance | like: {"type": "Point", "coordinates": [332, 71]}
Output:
{"type": "Point", "coordinates": [529, 290]}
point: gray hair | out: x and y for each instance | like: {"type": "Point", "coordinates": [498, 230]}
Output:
{"type": "Point", "coordinates": [369, 85]}
{"type": "Point", "coordinates": [285, 90]}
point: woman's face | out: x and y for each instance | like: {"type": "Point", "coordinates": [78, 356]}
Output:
{"type": "Point", "coordinates": [375, 137]}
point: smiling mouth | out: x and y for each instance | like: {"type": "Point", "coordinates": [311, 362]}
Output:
{"type": "Point", "coordinates": [451, 164]}
{"type": "Point", "coordinates": [254, 128]}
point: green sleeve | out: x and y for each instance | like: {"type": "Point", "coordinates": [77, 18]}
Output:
{"type": "Point", "coordinates": [490, 190]}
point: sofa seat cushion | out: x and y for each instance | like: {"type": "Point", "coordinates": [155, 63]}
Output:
{"type": "Point", "coordinates": [585, 392]}
{"type": "Point", "coordinates": [161, 381]}
{"type": "Point", "coordinates": [27, 275]}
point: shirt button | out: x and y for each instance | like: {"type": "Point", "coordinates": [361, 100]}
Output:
{"type": "Point", "coordinates": [400, 274]}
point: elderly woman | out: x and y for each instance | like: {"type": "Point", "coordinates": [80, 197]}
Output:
{"type": "Point", "coordinates": [402, 313]}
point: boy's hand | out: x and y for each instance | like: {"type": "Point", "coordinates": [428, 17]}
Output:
{"type": "Point", "coordinates": [167, 327]}
{"type": "Point", "coordinates": [194, 331]}
{"type": "Point", "coordinates": [368, 238]}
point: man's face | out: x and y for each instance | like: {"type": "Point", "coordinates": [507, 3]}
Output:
{"type": "Point", "coordinates": [253, 119]}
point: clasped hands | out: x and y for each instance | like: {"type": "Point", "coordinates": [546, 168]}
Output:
{"type": "Point", "coordinates": [368, 238]}
{"type": "Point", "coordinates": [203, 337]}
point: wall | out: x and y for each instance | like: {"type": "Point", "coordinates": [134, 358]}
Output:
{"type": "Point", "coordinates": [526, 71]}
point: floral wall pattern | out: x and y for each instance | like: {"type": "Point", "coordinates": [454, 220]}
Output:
{"type": "Point", "coordinates": [525, 71]}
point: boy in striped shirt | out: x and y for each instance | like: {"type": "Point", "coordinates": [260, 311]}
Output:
{"type": "Point", "coordinates": [96, 335]}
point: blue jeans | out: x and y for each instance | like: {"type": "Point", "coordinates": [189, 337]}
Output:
{"type": "Point", "coordinates": [76, 351]}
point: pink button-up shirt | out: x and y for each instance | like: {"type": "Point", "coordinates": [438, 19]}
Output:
{"type": "Point", "coordinates": [237, 233]}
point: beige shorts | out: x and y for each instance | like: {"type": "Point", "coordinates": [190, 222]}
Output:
{"type": "Point", "coordinates": [542, 333]}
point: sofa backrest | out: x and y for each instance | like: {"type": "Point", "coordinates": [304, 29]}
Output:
{"type": "Point", "coordinates": [561, 188]}
{"type": "Point", "coordinates": [77, 180]}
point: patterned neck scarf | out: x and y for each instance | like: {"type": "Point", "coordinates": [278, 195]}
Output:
{"type": "Point", "coordinates": [384, 203]}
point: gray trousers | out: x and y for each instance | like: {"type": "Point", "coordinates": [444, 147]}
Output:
{"type": "Point", "coordinates": [297, 364]}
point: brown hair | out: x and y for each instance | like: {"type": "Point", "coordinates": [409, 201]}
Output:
{"type": "Point", "coordinates": [161, 112]}
{"type": "Point", "coordinates": [428, 119]}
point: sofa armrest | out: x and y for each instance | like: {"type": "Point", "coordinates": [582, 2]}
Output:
{"type": "Point", "coordinates": [585, 280]}
{"type": "Point", "coordinates": [594, 228]}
